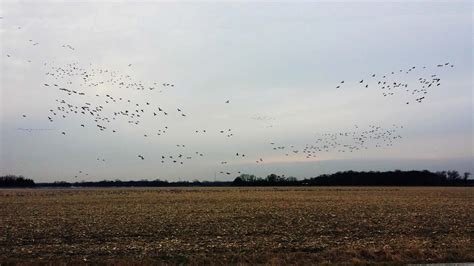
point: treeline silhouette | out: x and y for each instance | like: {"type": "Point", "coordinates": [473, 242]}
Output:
{"type": "Point", "coordinates": [347, 178]}
{"type": "Point", "coordinates": [352, 178]}
{"type": "Point", "coordinates": [270, 180]}
{"type": "Point", "coordinates": [15, 181]}
{"type": "Point", "coordinates": [392, 178]}
{"type": "Point", "coordinates": [140, 183]}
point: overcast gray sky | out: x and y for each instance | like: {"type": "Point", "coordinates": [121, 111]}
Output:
{"type": "Point", "coordinates": [278, 64]}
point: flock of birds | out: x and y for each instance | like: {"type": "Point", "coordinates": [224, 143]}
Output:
{"type": "Point", "coordinates": [86, 96]}
{"type": "Point", "coordinates": [349, 141]}
{"type": "Point", "coordinates": [394, 82]}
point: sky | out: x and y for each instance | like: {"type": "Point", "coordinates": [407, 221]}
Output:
{"type": "Point", "coordinates": [277, 64]}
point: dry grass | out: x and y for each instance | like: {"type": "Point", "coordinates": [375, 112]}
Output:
{"type": "Point", "coordinates": [235, 225]}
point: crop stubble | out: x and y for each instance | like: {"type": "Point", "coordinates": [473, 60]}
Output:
{"type": "Point", "coordinates": [238, 225]}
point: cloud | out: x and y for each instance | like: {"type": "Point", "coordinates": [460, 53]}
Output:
{"type": "Point", "coordinates": [276, 59]}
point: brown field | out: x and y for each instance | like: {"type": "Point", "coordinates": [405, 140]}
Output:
{"type": "Point", "coordinates": [237, 225]}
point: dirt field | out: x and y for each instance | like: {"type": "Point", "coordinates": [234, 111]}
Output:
{"type": "Point", "coordinates": [237, 225]}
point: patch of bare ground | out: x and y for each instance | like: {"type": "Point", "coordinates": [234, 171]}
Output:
{"type": "Point", "coordinates": [237, 225]}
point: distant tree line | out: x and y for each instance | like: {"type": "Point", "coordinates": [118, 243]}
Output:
{"type": "Point", "coordinates": [15, 181]}
{"type": "Point", "coordinates": [391, 178]}
{"type": "Point", "coordinates": [352, 178]}
{"type": "Point", "coordinates": [139, 183]}
{"type": "Point", "coordinates": [270, 180]}
{"type": "Point", "coordinates": [347, 178]}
